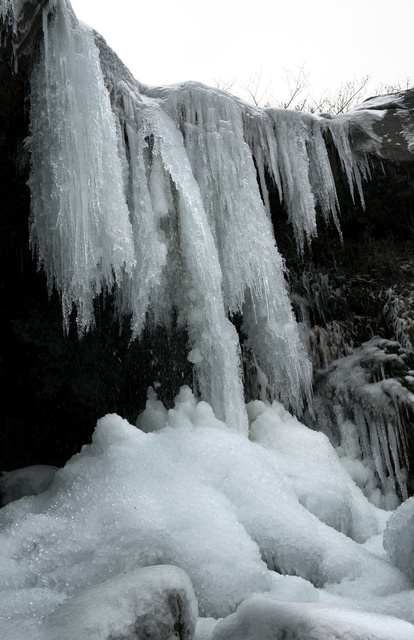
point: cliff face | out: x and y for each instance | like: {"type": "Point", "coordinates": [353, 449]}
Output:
{"type": "Point", "coordinates": [346, 291]}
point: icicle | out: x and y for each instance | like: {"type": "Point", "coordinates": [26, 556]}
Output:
{"type": "Point", "coordinates": [213, 339]}
{"type": "Point", "coordinates": [163, 206]}
{"type": "Point", "coordinates": [355, 163]}
{"type": "Point", "coordinates": [80, 224]}
{"type": "Point", "coordinates": [352, 396]}
{"type": "Point", "coordinates": [290, 145]}
{"type": "Point", "coordinates": [252, 268]}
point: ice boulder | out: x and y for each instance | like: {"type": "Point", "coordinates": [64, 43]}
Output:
{"type": "Point", "coordinates": [151, 603]}
{"type": "Point", "coordinates": [399, 538]}
{"type": "Point", "coordinates": [264, 618]}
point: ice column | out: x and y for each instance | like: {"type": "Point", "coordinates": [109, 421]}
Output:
{"type": "Point", "coordinates": [253, 271]}
{"type": "Point", "coordinates": [177, 261]}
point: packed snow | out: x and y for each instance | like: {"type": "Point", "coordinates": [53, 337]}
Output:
{"type": "Point", "coordinates": [263, 617]}
{"type": "Point", "coordinates": [212, 519]}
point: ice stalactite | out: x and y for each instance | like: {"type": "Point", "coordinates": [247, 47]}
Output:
{"type": "Point", "coordinates": [152, 194]}
{"type": "Point", "coordinates": [166, 206]}
{"type": "Point", "coordinates": [80, 225]}
{"type": "Point", "coordinates": [253, 271]}
{"type": "Point", "coordinates": [291, 147]}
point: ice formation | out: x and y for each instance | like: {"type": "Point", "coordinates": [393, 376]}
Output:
{"type": "Point", "coordinates": [159, 197]}
{"type": "Point", "coordinates": [154, 197]}
{"type": "Point", "coordinates": [364, 413]}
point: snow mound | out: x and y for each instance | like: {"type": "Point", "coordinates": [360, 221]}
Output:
{"type": "Point", "coordinates": [195, 494]}
{"type": "Point", "coordinates": [263, 618]}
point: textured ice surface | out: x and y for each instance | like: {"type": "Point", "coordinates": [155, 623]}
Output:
{"type": "Point", "coordinates": [363, 412]}
{"type": "Point", "coordinates": [152, 602]}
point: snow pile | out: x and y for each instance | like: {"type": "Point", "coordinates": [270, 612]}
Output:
{"type": "Point", "coordinates": [310, 466]}
{"type": "Point", "coordinates": [228, 511]}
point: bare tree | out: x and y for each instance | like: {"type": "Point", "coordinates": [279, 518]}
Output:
{"type": "Point", "coordinates": [258, 90]}
{"type": "Point", "coordinates": [399, 85]}
{"type": "Point", "coordinates": [298, 85]}
{"type": "Point", "coordinates": [346, 96]}
{"type": "Point", "coordinates": [224, 84]}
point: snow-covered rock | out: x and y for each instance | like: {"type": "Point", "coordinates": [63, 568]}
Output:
{"type": "Point", "coordinates": [152, 603]}
{"type": "Point", "coordinates": [263, 618]}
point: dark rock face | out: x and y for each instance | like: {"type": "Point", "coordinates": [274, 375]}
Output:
{"type": "Point", "coordinates": [56, 387]}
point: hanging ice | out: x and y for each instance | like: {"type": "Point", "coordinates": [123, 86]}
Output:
{"type": "Point", "coordinates": [153, 194]}
{"type": "Point", "coordinates": [80, 221]}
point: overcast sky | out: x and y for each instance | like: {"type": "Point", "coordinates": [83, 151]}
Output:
{"type": "Point", "coordinates": [164, 41]}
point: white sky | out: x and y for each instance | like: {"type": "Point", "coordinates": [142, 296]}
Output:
{"type": "Point", "coordinates": [164, 42]}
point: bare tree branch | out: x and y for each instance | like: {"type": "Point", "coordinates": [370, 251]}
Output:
{"type": "Point", "coordinates": [347, 95]}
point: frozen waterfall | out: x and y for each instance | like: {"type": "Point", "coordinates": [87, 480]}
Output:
{"type": "Point", "coordinates": [210, 519]}
{"type": "Point", "coordinates": [158, 195]}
